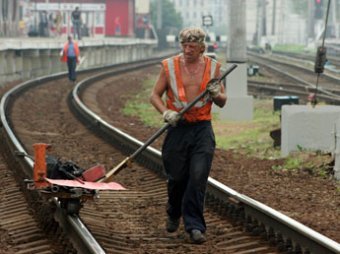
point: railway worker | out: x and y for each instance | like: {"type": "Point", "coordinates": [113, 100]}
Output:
{"type": "Point", "coordinates": [189, 145]}
{"type": "Point", "coordinates": [70, 54]}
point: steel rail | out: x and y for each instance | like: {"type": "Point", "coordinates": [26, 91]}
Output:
{"type": "Point", "coordinates": [314, 242]}
{"type": "Point", "coordinates": [330, 69]}
{"type": "Point", "coordinates": [78, 233]}
{"type": "Point", "coordinates": [291, 90]}
{"type": "Point", "coordinates": [301, 81]}
{"type": "Point", "coordinates": [80, 236]}
{"type": "Point", "coordinates": [291, 230]}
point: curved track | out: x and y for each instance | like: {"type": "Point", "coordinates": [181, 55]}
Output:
{"type": "Point", "coordinates": [24, 233]}
{"type": "Point", "coordinates": [132, 221]}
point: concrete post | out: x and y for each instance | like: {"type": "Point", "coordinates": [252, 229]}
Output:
{"type": "Point", "coordinates": [3, 63]}
{"type": "Point", "coordinates": [239, 105]}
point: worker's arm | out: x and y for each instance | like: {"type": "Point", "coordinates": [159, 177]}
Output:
{"type": "Point", "coordinates": [169, 116]}
{"type": "Point", "coordinates": [220, 98]}
{"type": "Point", "coordinates": [158, 91]}
{"type": "Point", "coordinates": [217, 91]}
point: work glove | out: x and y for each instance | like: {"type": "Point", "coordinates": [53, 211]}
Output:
{"type": "Point", "coordinates": [171, 117]}
{"type": "Point", "coordinates": [214, 88]}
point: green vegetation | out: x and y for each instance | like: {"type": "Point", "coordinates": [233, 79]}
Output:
{"type": "Point", "coordinates": [140, 106]}
{"type": "Point", "coordinates": [292, 163]}
{"type": "Point", "coordinates": [296, 48]}
{"type": "Point", "coordinates": [250, 137]}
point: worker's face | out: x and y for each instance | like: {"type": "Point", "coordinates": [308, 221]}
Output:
{"type": "Point", "coordinates": [192, 50]}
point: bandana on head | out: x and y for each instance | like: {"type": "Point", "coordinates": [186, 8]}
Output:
{"type": "Point", "coordinates": [192, 35]}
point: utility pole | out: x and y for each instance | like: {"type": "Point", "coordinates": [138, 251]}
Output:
{"type": "Point", "coordinates": [333, 19]}
{"type": "Point", "coordinates": [264, 17]}
{"type": "Point", "coordinates": [273, 18]}
{"type": "Point", "coordinates": [310, 22]}
{"type": "Point", "coordinates": [258, 22]}
{"type": "Point", "coordinates": [159, 15]}
{"type": "Point", "coordinates": [239, 105]}
{"type": "Point", "coordinates": [159, 22]}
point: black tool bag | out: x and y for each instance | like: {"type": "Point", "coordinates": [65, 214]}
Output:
{"type": "Point", "coordinates": [57, 169]}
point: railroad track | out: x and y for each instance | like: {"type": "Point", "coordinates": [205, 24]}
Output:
{"type": "Point", "coordinates": [332, 56]}
{"type": "Point", "coordinates": [295, 78]}
{"type": "Point", "coordinates": [20, 231]}
{"type": "Point", "coordinates": [132, 220]}
{"type": "Point", "coordinates": [269, 89]}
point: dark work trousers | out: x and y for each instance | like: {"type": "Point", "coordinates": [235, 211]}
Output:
{"type": "Point", "coordinates": [77, 29]}
{"type": "Point", "coordinates": [187, 155]}
{"type": "Point", "coordinates": [71, 65]}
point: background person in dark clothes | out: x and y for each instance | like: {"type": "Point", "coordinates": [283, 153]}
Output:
{"type": "Point", "coordinates": [71, 54]}
{"type": "Point", "coordinates": [76, 22]}
{"type": "Point", "coordinates": [189, 145]}
{"type": "Point", "coordinates": [43, 24]}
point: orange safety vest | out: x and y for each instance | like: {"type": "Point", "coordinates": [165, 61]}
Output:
{"type": "Point", "coordinates": [175, 95]}
{"type": "Point", "coordinates": [63, 58]}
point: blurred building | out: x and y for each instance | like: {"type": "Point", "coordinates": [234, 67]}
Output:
{"type": "Point", "coordinates": [99, 17]}
{"type": "Point", "coordinates": [9, 18]}
{"type": "Point", "coordinates": [279, 22]}
{"type": "Point", "coordinates": [120, 18]}
{"type": "Point", "coordinates": [38, 17]}
{"type": "Point", "coordinates": [144, 28]}
{"type": "Point", "coordinates": [265, 19]}
{"type": "Point", "coordinates": [273, 21]}
{"type": "Point", "coordinates": [193, 11]}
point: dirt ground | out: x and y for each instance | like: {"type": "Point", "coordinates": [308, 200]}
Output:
{"type": "Point", "coordinates": [308, 198]}
{"type": "Point", "coordinates": [302, 195]}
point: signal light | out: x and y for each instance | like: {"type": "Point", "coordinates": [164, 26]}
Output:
{"type": "Point", "coordinates": [320, 59]}
{"type": "Point", "coordinates": [318, 10]}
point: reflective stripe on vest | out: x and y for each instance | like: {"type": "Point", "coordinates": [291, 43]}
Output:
{"type": "Point", "coordinates": [173, 84]}
{"type": "Point", "coordinates": [176, 96]}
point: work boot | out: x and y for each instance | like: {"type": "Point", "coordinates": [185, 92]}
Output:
{"type": "Point", "coordinates": [172, 224]}
{"type": "Point", "coordinates": [197, 237]}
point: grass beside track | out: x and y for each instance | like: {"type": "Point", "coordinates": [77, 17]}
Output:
{"type": "Point", "coordinates": [250, 138]}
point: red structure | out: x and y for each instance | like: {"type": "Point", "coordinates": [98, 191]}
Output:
{"type": "Point", "coordinates": [120, 15]}
{"type": "Point", "coordinates": [99, 17]}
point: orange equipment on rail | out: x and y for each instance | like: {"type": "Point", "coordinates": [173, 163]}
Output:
{"type": "Point", "coordinates": [40, 167]}
{"type": "Point", "coordinates": [66, 181]}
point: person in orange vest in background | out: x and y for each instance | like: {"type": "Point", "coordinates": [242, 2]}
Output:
{"type": "Point", "coordinates": [189, 145]}
{"type": "Point", "coordinates": [70, 54]}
